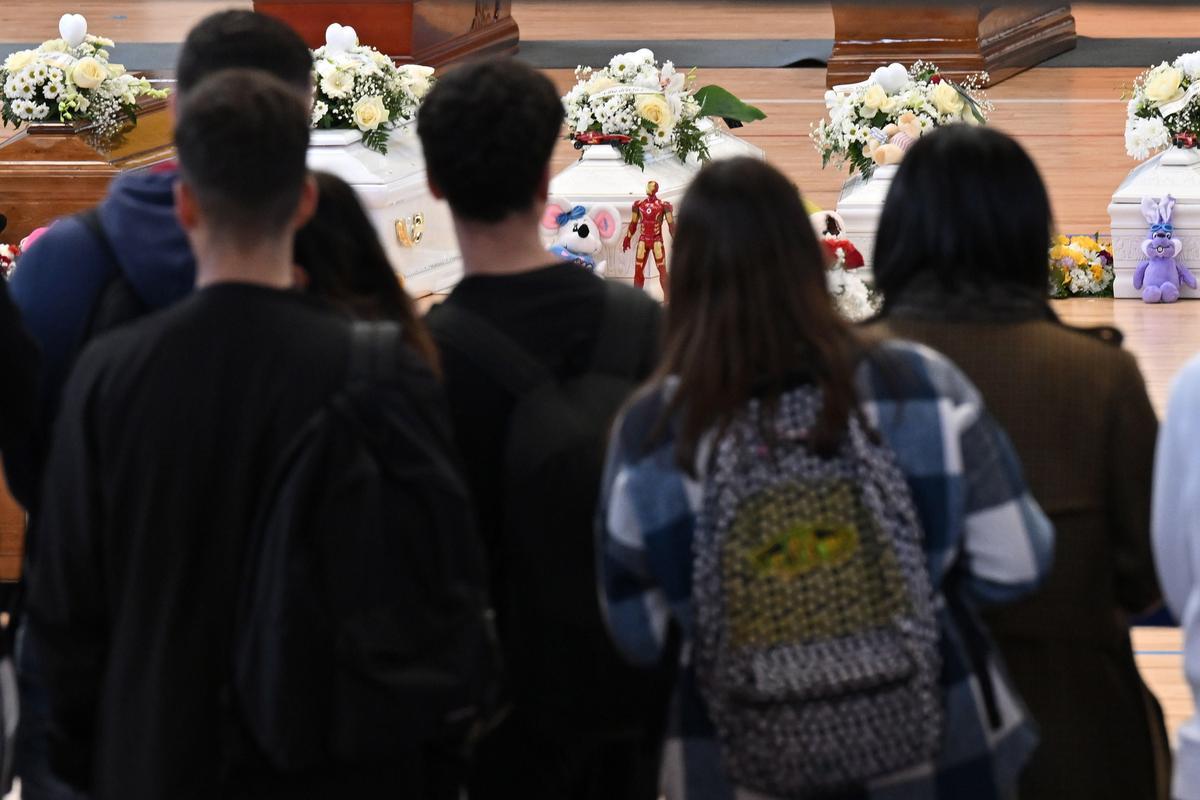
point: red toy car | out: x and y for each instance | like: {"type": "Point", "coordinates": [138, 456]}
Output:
{"type": "Point", "coordinates": [595, 137]}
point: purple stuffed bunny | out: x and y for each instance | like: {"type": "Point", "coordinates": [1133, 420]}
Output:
{"type": "Point", "coordinates": [1160, 273]}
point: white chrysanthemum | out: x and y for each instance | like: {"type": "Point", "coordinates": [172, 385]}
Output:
{"type": "Point", "coordinates": [1189, 63]}
{"type": "Point", "coordinates": [52, 90]}
{"type": "Point", "coordinates": [624, 65]}
{"type": "Point", "coordinates": [1144, 136]}
{"type": "Point", "coordinates": [319, 110]}
{"type": "Point", "coordinates": [338, 83]}
{"type": "Point", "coordinates": [41, 111]}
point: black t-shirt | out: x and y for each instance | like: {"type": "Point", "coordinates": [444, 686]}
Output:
{"type": "Point", "coordinates": [554, 313]}
{"type": "Point", "coordinates": [168, 431]}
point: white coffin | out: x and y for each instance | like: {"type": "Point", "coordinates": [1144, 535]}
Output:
{"type": "Point", "coordinates": [601, 176]}
{"type": "Point", "coordinates": [861, 204]}
{"type": "Point", "coordinates": [1175, 172]}
{"type": "Point", "coordinates": [395, 194]}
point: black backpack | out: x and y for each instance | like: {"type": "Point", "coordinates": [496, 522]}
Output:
{"type": "Point", "coordinates": [363, 627]}
{"type": "Point", "coordinates": [559, 659]}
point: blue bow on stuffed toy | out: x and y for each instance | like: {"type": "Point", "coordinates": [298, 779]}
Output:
{"type": "Point", "coordinates": [578, 212]}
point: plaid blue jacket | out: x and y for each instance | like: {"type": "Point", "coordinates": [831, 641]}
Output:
{"type": "Point", "coordinates": [987, 541]}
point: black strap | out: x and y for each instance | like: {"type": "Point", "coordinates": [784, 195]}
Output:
{"type": "Point", "coordinates": [90, 219]}
{"type": "Point", "coordinates": [491, 349]}
{"type": "Point", "coordinates": [625, 323]}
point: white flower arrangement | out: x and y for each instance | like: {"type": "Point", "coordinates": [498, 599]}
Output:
{"type": "Point", "coordinates": [359, 88]}
{"type": "Point", "coordinates": [637, 105]}
{"type": "Point", "coordinates": [874, 122]}
{"type": "Point", "coordinates": [1163, 105]}
{"type": "Point", "coordinates": [69, 79]}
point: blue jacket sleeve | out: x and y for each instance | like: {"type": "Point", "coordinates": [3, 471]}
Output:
{"type": "Point", "coordinates": [55, 286]}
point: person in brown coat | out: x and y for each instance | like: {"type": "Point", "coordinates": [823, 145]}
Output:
{"type": "Point", "coordinates": [961, 259]}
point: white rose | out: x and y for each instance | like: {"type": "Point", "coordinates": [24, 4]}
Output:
{"type": "Point", "coordinates": [645, 55]}
{"type": "Point", "coordinates": [946, 99]}
{"type": "Point", "coordinates": [116, 70]}
{"type": "Point", "coordinates": [369, 113]}
{"type": "Point", "coordinates": [54, 46]}
{"type": "Point", "coordinates": [338, 83]}
{"type": "Point", "coordinates": [19, 60]}
{"type": "Point", "coordinates": [88, 73]}
{"type": "Point", "coordinates": [1162, 84]}
{"type": "Point", "coordinates": [872, 100]}
{"type": "Point", "coordinates": [654, 108]}
{"type": "Point", "coordinates": [598, 83]}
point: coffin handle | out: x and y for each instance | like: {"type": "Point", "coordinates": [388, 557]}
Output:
{"type": "Point", "coordinates": [411, 229]}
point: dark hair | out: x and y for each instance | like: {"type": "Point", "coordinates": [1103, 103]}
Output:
{"type": "Point", "coordinates": [242, 138]}
{"type": "Point", "coordinates": [345, 262]}
{"type": "Point", "coordinates": [967, 210]}
{"type": "Point", "coordinates": [247, 40]}
{"type": "Point", "coordinates": [750, 311]}
{"type": "Point", "coordinates": [488, 129]}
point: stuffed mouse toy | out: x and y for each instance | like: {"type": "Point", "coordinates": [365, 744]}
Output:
{"type": "Point", "coordinates": [581, 233]}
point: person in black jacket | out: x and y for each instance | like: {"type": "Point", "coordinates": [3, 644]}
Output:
{"type": "Point", "coordinates": [168, 429]}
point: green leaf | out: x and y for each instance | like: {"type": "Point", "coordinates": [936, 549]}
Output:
{"type": "Point", "coordinates": [717, 102]}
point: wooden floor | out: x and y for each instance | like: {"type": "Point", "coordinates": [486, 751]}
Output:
{"type": "Point", "coordinates": [1071, 121]}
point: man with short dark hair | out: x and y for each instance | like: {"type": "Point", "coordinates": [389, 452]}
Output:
{"type": "Point", "coordinates": [132, 239]}
{"type": "Point", "coordinates": [169, 430]}
{"type": "Point", "coordinates": [519, 330]}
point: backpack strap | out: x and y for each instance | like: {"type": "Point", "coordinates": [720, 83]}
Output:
{"type": "Point", "coordinates": [489, 348]}
{"type": "Point", "coordinates": [627, 322]}
{"type": "Point", "coordinates": [117, 302]}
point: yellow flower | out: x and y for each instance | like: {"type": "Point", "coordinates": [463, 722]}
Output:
{"type": "Point", "coordinates": [1059, 252]}
{"type": "Point", "coordinates": [1061, 240]}
{"type": "Point", "coordinates": [369, 113]}
{"type": "Point", "coordinates": [654, 108]}
{"type": "Point", "coordinates": [1097, 272]}
{"type": "Point", "coordinates": [873, 100]}
{"type": "Point", "coordinates": [946, 99]}
{"type": "Point", "coordinates": [1085, 243]}
{"type": "Point", "coordinates": [88, 73]}
{"type": "Point", "coordinates": [19, 60]}
{"type": "Point", "coordinates": [1162, 84]}
{"type": "Point", "coordinates": [598, 83]}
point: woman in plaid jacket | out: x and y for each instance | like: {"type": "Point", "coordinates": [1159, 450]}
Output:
{"type": "Point", "coordinates": [748, 281]}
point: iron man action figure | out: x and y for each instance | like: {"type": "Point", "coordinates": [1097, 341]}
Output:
{"type": "Point", "coordinates": [650, 212]}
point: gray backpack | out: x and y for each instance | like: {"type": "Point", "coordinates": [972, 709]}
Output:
{"type": "Point", "coordinates": [817, 642]}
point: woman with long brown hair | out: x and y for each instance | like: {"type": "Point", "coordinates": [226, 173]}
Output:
{"type": "Point", "coordinates": [751, 337]}
{"type": "Point", "coordinates": [341, 259]}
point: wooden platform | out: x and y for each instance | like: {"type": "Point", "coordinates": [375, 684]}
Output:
{"type": "Point", "coordinates": [1070, 120]}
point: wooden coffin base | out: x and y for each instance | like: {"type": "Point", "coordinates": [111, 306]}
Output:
{"type": "Point", "coordinates": [961, 40]}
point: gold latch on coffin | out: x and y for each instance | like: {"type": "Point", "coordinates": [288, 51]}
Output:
{"type": "Point", "coordinates": [411, 229]}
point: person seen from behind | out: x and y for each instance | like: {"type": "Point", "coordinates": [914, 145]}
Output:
{"type": "Point", "coordinates": [820, 514]}
{"type": "Point", "coordinates": [95, 271]}
{"type": "Point", "coordinates": [537, 358]}
{"type": "Point", "coordinates": [961, 262]}
{"type": "Point", "coordinates": [340, 258]}
{"type": "Point", "coordinates": [211, 621]}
